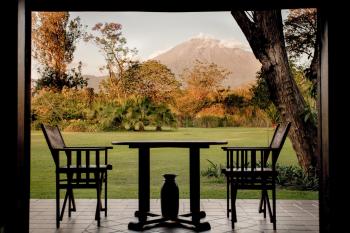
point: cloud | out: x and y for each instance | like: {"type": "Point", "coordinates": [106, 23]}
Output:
{"type": "Point", "coordinates": [234, 44]}
{"type": "Point", "coordinates": [228, 43]}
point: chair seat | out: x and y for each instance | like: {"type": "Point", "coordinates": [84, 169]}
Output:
{"type": "Point", "coordinates": [84, 168]}
{"type": "Point", "coordinates": [249, 171]}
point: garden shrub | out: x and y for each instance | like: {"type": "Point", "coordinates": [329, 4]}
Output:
{"type": "Point", "coordinates": [80, 126]}
{"type": "Point", "coordinates": [289, 176]}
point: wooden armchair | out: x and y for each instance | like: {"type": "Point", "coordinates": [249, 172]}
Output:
{"type": "Point", "coordinates": [77, 167]}
{"type": "Point", "coordinates": [247, 168]}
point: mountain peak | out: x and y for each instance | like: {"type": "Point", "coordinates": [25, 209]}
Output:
{"type": "Point", "coordinates": [231, 55]}
{"type": "Point", "coordinates": [211, 41]}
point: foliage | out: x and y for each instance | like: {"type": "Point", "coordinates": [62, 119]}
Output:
{"type": "Point", "coordinates": [202, 83]}
{"type": "Point", "coordinates": [261, 96]}
{"type": "Point", "coordinates": [214, 171]}
{"type": "Point", "coordinates": [54, 39]}
{"type": "Point", "coordinates": [80, 126]}
{"type": "Point", "coordinates": [58, 108]}
{"type": "Point", "coordinates": [56, 81]}
{"type": "Point", "coordinates": [108, 38]}
{"type": "Point", "coordinates": [234, 101]}
{"type": "Point", "coordinates": [206, 77]}
{"type": "Point", "coordinates": [152, 80]}
{"type": "Point", "coordinates": [273, 114]}
{"type": "Point", "coordinates": [139, 113]}
{"type": "Point", "coordinates": [46, 108]}
{"type": "Point", "coordinates": [310, 114]}
{"type": "Point", "coordinates": [81, 110]}
{"type": "Point", "coordinates": [295, 177]}
{"type": "Point", "coordinates": [306, 88]}
{"type": "Point", "coordinates": [289, 176]}
{"type": "Point", "coordinates": [164, 116]}
{"type": "Point", "coordinates": [108, 116]}
{"type": "Point", "coordinates": [300, 34]}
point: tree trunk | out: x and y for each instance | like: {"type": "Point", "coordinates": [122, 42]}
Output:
{"type": "Point", "coordinates": [264, 32]}
{"type": "Point", "coordinates": [141, 126]}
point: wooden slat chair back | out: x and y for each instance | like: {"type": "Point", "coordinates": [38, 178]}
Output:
{"type": "Point", "coordinates": [254, 168]}
{"type": "Point", "coordinates": [54, 140]}
{"type": "Point", "coordinates": [81, 167]}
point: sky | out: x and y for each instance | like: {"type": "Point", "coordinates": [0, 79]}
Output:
{"type": "Point", "coordinates": [152, 33]}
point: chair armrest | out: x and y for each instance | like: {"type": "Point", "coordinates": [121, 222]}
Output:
{"type": "Point", "coordinates": [226, 148]}
{"type": "Point", "coordinates": [84, 148]}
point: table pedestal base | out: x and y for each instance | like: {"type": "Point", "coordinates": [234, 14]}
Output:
{"type": "Point", "coordinates": [145, 224]}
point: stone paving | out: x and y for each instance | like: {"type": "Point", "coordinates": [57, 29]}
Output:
{"type": "Point", "coordinates": [299, 216]}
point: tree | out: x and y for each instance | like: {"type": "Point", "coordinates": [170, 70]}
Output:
{"type": "Point", "coordinates": [207, 77]}
{"type": "Point", "coordinates": [55, 80]}
{"type": "Point", "coordinates": [264, 32]}
{"type": "Point", "coordinates": [152, 80]}
{"type": "Point", "coordinates": [108, 37]}
{"type": "Point", "coordinates": [139, 113]}
{"type": "Point", "coordinates": [163, 116]}
{"type": "Point", "coordinates": [260, 92]}
{"type": "Point", "coordinates": [54, 39]}
{"type": "Point", "coordinates": [300, 33]}
{"type": "Point", "coordinates": [202, 84]}
{"type": "Point", "coordinates": [233, 100]}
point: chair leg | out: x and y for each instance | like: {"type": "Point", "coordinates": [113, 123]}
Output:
{"type": "Point", "coordinates": [228, 196]}
{"type": "Point", "coordinates": [261, 202]}
{"type": "Point", "coordinates": [73, 201]}
{"type": "Point", "coordinates": [64, 204]}
{"type": "Point", "coordinates": [234, 213]}
{"type": "Point", "coordinates": [106, 194]}
{"type": "Point", "coordinates": [233, 207]}
{"type": "Point", "coordinates": [57, 204]}
{"type": "Point", "coordinates": [274, 207]}
{"type": "Point", "coordinates": [69, 194]}
{"type": "Point", "coordinates": [69, 204]}
{"type": "Point", "coordinates": [264, 203]}
{"type": "Point", "coordinates": [98, 206]}
{"type": "Point", "coordinates": [269, 206]}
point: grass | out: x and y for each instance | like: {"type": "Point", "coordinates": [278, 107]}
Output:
{"type": "Point", "coordinates": [123, 181]}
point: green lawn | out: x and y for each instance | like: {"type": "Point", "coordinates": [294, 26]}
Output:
{"type": "Point", "coordinates": [123, 178]}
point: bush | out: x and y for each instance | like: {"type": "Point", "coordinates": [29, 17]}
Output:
{"type": "Point", "coordinates": [58, 108]}
{"type": "Point", "coordinates": [80, 126]}
{"type": "Point", "coordinates": [290, 176]}
{"type": "Point", "coordinates": [207, 122]}
{"type": "Point", "coordinates": [297, 178]}
{"type": "Point", "coordinates": [214, 170]}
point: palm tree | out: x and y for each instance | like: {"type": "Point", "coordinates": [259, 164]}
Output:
{"type": "Point", "coordinates": [164, 116]}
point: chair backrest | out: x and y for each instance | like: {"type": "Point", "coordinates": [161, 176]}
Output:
{"type": "Point", "coordinates": [279, 136]}
{"type": "Point", "coordinates": [53, 138]}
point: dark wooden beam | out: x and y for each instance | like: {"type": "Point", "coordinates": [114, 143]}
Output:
{"type": "Point", "coordinates": [15, 143]}
{"type": "Point", "coordinates": [334, 122]}
{"type": "Point", "coordinates": [168, 6]}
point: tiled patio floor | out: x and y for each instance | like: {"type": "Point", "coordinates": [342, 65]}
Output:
{"type": "Point", "coordinates": [297, 216]}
